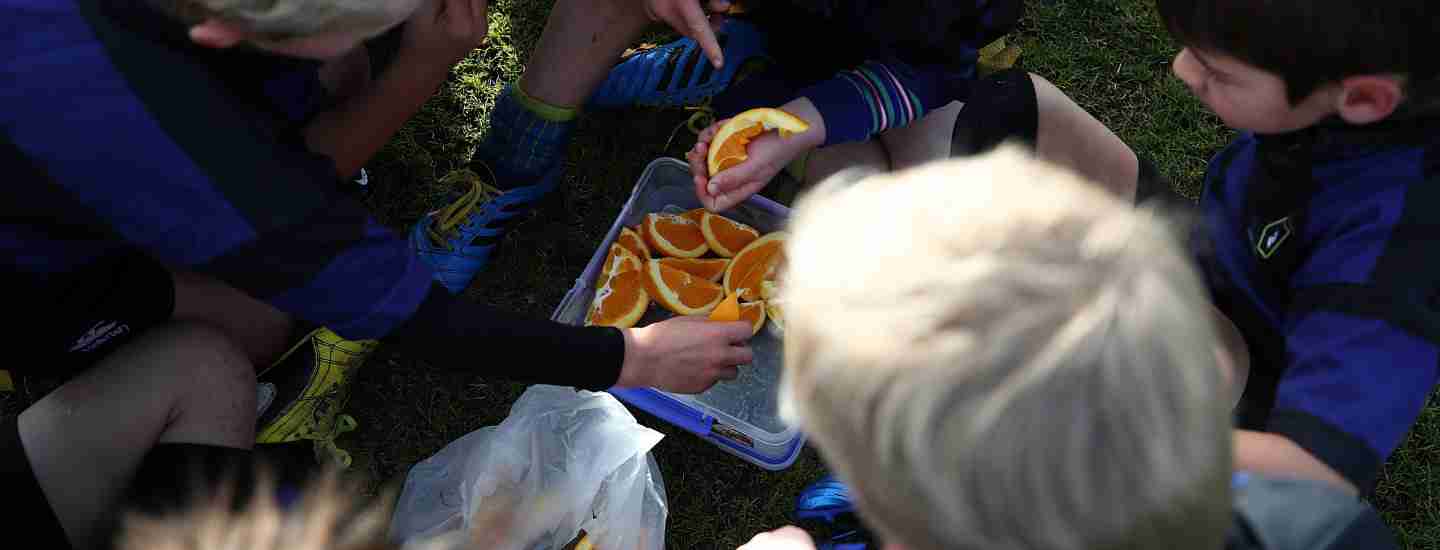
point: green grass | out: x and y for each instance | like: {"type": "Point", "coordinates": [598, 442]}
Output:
{"type": "Point", "coordinates": [1112, 56]}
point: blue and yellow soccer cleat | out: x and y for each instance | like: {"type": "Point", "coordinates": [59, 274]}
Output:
{"type": "Point", "coordinates": [827, 509]}
{"type": "Point", "coordinates": [824, 500]}
{"type": "Point", "coordinates": [457, 241]}
{"type": "Point", "coordinates": [678, 74]}
{"type": "Point", "coordinates": [313, 380]}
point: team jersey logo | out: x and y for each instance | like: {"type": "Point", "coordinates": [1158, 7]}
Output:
{"type": "Point", "coordinates": [1272, 236]}
{"type": "Point", "coordinates": [99, 335]}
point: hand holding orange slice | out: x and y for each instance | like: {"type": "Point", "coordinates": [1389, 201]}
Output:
{"type": "Point", "coordinates": [728, 148]}
{"type": "Point", "coordinates": [730, 309]}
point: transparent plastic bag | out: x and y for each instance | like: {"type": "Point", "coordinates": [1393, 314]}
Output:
{"type": "Point", "coordinates": [563, 462]}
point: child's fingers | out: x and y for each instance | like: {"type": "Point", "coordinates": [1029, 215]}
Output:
{"type": "Point", "coordinates": [725, 200]}
{"type": "Point", "coordinates": [734, 332]}
{"type": "Point", "coordinates": [733, 179]}
{"type": "Point", "coordinates": [698, 168]}
{"type": "Point", "coordinates": [697, 23]}
{"type": "Point", "coordinates": [707, 135]}
{"type": "Point", "coordinates": [740, 355]}
{"type": "Point", "coordinates": [729, 373]}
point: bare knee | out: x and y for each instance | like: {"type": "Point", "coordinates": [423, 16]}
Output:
{"type": "Point", "coordinates": [260, 330]}
{"type": "Point", "coordinates": [926, 140]}
{"type": "Point", "coordinates": [211, 384]}
{"type": "Point", "coordinates": [1068, 135]}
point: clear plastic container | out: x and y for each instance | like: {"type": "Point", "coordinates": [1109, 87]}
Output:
{"type": "Point", "coordinates": [740, 416]}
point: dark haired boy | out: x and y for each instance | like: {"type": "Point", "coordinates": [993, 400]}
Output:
{"type": "Point", "coordinates": [1317, 238]}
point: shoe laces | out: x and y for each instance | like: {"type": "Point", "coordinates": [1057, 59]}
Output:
{"type": "Point", "coordinates": [448, 220]}
{"type": "Point", "coordinates": [701, 117]}
{"type": "Point", "coordinates": [325, 448]}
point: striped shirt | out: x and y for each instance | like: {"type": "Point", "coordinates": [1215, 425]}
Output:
{"type": "Point", "coordinates": [116, 132]}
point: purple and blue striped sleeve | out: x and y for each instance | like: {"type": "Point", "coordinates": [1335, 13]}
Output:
{"type": "Point", "coordinates": [862, 102]}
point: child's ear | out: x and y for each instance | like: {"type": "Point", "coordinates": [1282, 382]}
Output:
{"type": "Point", "coordinates": [1368, 99]}
{"type": "Point", "coordinates": [214, 33]}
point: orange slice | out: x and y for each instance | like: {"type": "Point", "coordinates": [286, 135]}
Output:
{"type": "Point", "coordinates": [776, 313]}
{"type": "Point", "coordinates": [754, 264]}
{"type": "Point", "coordinates": [618, 261]}
{"type": "Point", "coordinates": [770, 293]}
{"type": "Point", "coordinates": [695, 215]}
{"type": "Point", "coordinates": [674, 236]}
{"type": "Point", "coordinates": [621, 302]}
{"type": "Point", "coordinates": [754, 312]}
{"type": "Point", "coordinates": [728, 148]}
{"type": "Point", "coordinates": [679, 291]}
{"type": "Point", "coordinates": [710, 269]}
{"type": "Point", "coordinates": [769, 290]}
{"type": "Point", "coordinates": [728, 310]}
{"type": "Point", "coordinates": [724, 235]}
{"type": "Point", "coordinates": [631, 240]}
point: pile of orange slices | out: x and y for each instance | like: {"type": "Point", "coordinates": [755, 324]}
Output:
{"type": "Point", "coordinates": [695, 263]}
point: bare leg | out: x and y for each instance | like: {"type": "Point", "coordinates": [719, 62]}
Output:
{"type": "Point", "coordinates": [1233, 353]}
{"type": "Point", "coordinates": [257, 328]}
{"type": "Point", "coordinates": [178, 383]}
{"type": "Point", "coordinates": [580, 44]}
{"type": "Point", "coordinates": [826, 161]}
{"type": "Point", "coordinates": [926, 140]}
{"type": "Point", "coordinates": [1069, 136]}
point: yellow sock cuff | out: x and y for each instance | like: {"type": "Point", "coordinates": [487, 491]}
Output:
{"type": "Point", "coordinates": [546, 111]}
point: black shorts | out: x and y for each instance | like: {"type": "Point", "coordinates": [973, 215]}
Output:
{"type": "Point", "coordinates": [75, 320]}
{"type": "Point", "coordinates": [1003, 107]}
{"type": "Point", "coordinates": [80, 317]}
{"type": "Point", "coordinates": [29, 507]}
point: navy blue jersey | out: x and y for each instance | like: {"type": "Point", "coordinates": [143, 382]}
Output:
{"type": "Point", "coordinates": [869, 66]}
{"type": "Point", "coordinates": [118, 133]}
{"type": "Point", "coordinates": [1323, 247]}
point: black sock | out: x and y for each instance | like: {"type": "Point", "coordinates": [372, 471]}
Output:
{"type": "Point", "coordinates": [1001, 107]}
{"type": "Point", "coordinates": [173, 475]}
{"type": "Point", "coordinates": [1152, 187]}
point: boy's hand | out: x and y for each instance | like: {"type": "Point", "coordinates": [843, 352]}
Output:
{"type": "Point", "coordinates": [442, 32]}
{"type": "Point", "coordinates": [684, 354]}
{"type": "Point", "coordinates": [768, 155]}
{"type": "Point", "coordinates": [689, 19]}
{"type": "Point", "coordinates": [784, 538]}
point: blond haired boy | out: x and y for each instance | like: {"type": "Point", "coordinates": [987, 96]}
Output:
{"type": "Point", "coordinates": [993, 353]}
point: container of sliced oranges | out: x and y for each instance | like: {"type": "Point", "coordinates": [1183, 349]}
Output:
{"type": "Point", "coordinates": [665, 255]}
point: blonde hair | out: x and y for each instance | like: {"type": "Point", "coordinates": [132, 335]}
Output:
{"type": "Point", "coordinates": [288, 18]}
{"type": "Point", "coordinates": [330, 515]}
{"type": "Point", "coordinates": [994, 354]}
